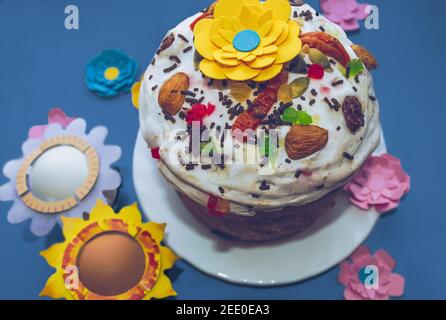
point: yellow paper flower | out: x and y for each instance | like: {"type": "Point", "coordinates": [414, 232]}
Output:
{"type": "Point", "coordinates": [247, 40]}
{"type": "Point", "coordinates": [109, 257]}
{"type": "Point", "coordinates": [135, 94]}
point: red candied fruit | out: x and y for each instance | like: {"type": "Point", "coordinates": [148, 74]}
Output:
{"type": "Point", "coordinates": [316, 71]}
{"type": "Point", "coordinates": [155, 153]}
{"type": "Point", "coordinates": [198, 112]}
{"type": "Point", "coordinates": [215, 206]}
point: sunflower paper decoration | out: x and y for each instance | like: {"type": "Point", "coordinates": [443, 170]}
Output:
{"type": "Point", "coordinates": [110, 257]}
{"type": "Point", "coordinates": [62, 171]}
{"type": "Point", "coordinates": [247, 40]}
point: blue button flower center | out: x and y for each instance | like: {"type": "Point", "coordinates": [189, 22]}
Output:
{"type": "Point", "coordinates": [246, 40]}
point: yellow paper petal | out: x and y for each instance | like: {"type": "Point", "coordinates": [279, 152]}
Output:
{"type": "Point", "coordinates": [242, 55]}
{"type": "Point", "coordinates": [284, 35]}
{"type": "Point", "coordinates": [55, 288]}
{"type": "Point", "coordinates": [135, 94]}
{"type": "Point", "coordinates": [267, 16]}
{"type": "Point", "coordinates": [276, 31]}
{"type": "Point", "coordinates": [54, 254]}
{"type": "Point", "coordinates": [266, 28]}
{"type": "Point", "coordinates": [230, 55]}
{"type": "Point", "coordinates": [162, 289]}
{"type": "Point", "coordinates": [228, 35]}
{"type": "Point", "coordinates": [204, 45]}
{"type": "Point", "coordinates": [203, 25]}
{"type": "Point", "coordinates": [156, 230]}
{"type": "Point", "coordinates": [258, 51]}
{"type": "Point", "coordinates": [218, 56]}
{"type": "Point", "coordinates": [212, 69]}
{"type": "Point", "coordinates": [263, 61]}
{"type": "Point", "coordinates": [270, 49]}
{"type": "Point", "coordinates": [269, 73]}
{"type": "Point", "coordinates": [241, 72]}
{"type": "Point", "coordinates": [237, 25]}
{"type": "Point", "coordinates": [291, 47]}
{"type": "Point", "coordinates": [229, 48]}
{"type": "Point", "coordinates": [281, 9]}
{"type": "Point", "coordinates": [227, 8]}
{"type": "Point", "coordinates": [227, 23]}
{"type": "Point", "coordinates": [169, 258]}
{"type": "Point", "coordinates": [215, 28]}
{"type": "Point", "coordinates": [249, 58]}
{"type": "Point", "coordinates": [219, 41]}
{"type": "Point", "coordinates": [248, 18]}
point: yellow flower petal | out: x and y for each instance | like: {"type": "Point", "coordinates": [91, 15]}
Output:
{"type": "Point", "coordinates": [219, 41]}
{"type": "Point", "coordinates": [218, 56]}
{"type": "Point", "coordinates": [266, 28]}
{"type": "Point", "coordinates": [229, 48]}
{"type": "Point", "coordinates": [227, 23]}
{"type": "Point", "coordinates": [276, 31]}
{"type": "Point", "coordinates": [263, 61]}
{"type": "Point", "coordinates": [281, 9]}
{"type": "Point", "coordinates": [267, 16]}
{"type": "Point", "coordinates": [248, 18]}
{"type": "Point", "coordinates": [228, 35]}
{"type": "Point", "coordinates": [269, 73]}
{"type": "Point", "coordinates": [249, 58]}
{"type": "Point", "coordinates": [203, 25]}
{"type": "Point", "coordinates": [230, 55]}
{"type": "Point", "coordinates": [135, 94]}
{"type": "Point", "coordinates": [258, 51]}
{"type": "Point", "coordinates": [212, 69]}
{"type": "Point", "coordinates": [242, 55]}
{"type": "Point", "coordinates": [291, 47]}
{"type": "Point", "coordinates": [237, 25]}
{"type": "Point", "coordinates": [227, 8]}
{"type": "Point", "coordinates": [215, 28]}
{"type": "Point", "coordinates": [204, 45]}
{"type": "Point", "coordinates": [270, 49]}
{"type": "Point", "coordinates": [241, 72]}
{"type": "Point", "coordinates": [283, 36]}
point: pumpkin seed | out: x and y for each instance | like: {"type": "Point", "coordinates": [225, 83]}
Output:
{"type": "Point", "coordinates": [285, 93]}
{"type": "Point", "coordinates": [298, 65]}
{"type": "Point", "coordinates": [318, 57]}
{"type": "Point", "coordinates": [299, 86]}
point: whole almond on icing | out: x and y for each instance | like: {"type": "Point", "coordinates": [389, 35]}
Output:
{"type": "Point", "coordinates": [366, 57]}
{"type": "Point", "coordinates": [170, 97]}
{"type": "Point", "coordinates": [303, 141]}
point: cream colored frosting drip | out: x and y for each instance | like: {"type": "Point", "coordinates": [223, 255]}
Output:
{"type": "Point", "coordinates": [330, 169]}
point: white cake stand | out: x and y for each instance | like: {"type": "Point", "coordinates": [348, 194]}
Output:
{"type": "Point", "coordinates": [328, 242]}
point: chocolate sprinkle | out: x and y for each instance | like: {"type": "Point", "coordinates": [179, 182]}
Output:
{"type": "Point", "coordinates": [348, 156]}
{"type": "Point", "coordinates": [183, 38]}
{"type": "Point", "coordinates": [186, 50]}
{"type": "Point", "coordinates": [171, 68]}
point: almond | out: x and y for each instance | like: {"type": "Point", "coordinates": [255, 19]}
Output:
{"type": "Point", "coordinates": [170, 96]}
{"type": "Point", "coordinates": [303, 141]}
{"type": "Point", "coordinates": [366, 57]}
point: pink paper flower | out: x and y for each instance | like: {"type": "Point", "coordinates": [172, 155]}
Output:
{"type": "Point", "coordinates": [55, 115]}
{"type": "Point", "coordinates": [370, 277]}
{"type": "Point", "coordinates": [381, 183]}
{"type": "Point", "coordinates": [345, 13]}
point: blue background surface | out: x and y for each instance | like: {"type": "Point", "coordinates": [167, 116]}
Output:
{"type": "Point", "coordinates": [41, 66]}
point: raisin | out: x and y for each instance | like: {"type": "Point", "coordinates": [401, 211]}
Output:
{"type": "Point", "coordinates": [353, 113]}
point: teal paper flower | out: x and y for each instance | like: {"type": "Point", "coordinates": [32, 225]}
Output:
{"type": "Point", "coordinates": [111, 72]}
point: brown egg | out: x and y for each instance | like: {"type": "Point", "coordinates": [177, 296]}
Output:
{"type": "Point", "coordinates": [111, 263]}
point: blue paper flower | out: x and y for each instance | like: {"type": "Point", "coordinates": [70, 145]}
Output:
{"type": "Point", "coordinates": [111, 72]}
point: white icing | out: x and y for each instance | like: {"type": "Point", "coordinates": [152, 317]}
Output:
{"type": "Point", "coordinates": [329, 167]}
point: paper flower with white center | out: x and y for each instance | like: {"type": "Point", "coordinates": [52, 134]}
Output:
{"type": "Point", "coordinates": [110, 257]}
{"type": "Point", "coordinates": [62, 172]}
{"type": "Point", "coordinates": [247, 40]}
